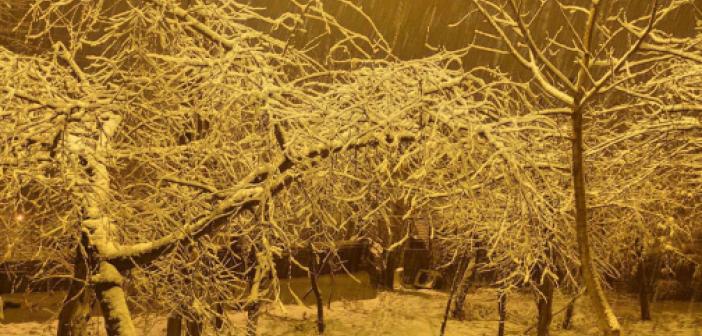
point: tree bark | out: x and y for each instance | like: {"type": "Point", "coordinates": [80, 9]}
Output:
{"type": "Point", "coordinates": [643, 291]}
{"type": "Point", "coordinates": [387, 275]}
{"type": "Point", "coordinates": [313, 273]}
{"type": "Point", "coordinates": [607, 321]}
{"type": "Point", "coordinates": [568, 318]}
{"type": "Point", "coordinates": [252, 318]}
{"type": "Point", "coordinates": [568, 308]}
{"type": "Point", "coordinates": [75, 313]}
{"type": "Point", "coordinates": [253, 308]}
{"type": "Point", "coordinates": [174, 326]}
{"type": "Point", "coordinates": [219, 319]}
{"type": "Point", "coordinates": [193, 327]}
{"type": "Point", "coordinates": [462, 291]}
{"type": "Point", "coordinates": [331, 288]}
{"type": "Point", "coordinates": [545, 306]}
{"type": "Point", "coordinates": [502, 311]}
{"type": "Point", "coordinates": [454, 285]}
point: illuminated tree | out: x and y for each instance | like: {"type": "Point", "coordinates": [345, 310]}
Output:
{"type": "Point", "coordinates": [600, 48]}
{"type": "Point", "coordinates": [168, 138]}
{"type": "Point", "coordinates": [152, 134]}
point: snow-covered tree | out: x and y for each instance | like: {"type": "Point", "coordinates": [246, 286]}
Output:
{"type": "Point", "coordinates": [600, 47]}
{"type": "Point", "coordinates": [168, 148]}
{"type": "Point", "coordinates": [150, 138]}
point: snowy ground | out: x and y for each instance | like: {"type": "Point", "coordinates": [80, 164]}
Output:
{"type": "Point", "coordinates": [408, 313]}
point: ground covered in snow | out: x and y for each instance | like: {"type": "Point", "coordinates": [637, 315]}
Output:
{"type": "Point", "coordinates": [411, 312]}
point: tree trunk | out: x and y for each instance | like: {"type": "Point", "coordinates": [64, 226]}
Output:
{"type": "Point", "coordinates": [568, 318]}
{"type": "Point", "coordinates": [331, 288]}
{"type": "Point", "coordinates": [219, 319]}
{"type": "Point", "coordinates": [644, 293]}
{"type": "Point", "coordinates": [607, 321]}
{"type": "Point", "coordinates": [174, 326]}
{"type": "Point", "coordinates": [462, 291]}
{"type": "Point", "coordinates": [502, 310]}
{"type": "Point", "coordinates": [570, 310]}
{"type": "Point", "coordinates": [647, 280]}
{"type": "Point", "coordinates": [113, 301]}
{"type": "Point", "coordinates": [646, 277]}
{"type": "Point", "coordinates": [193, 327]}
{"type": "Point", "coordinates": [454, 285]}
{"type": "Point", "coordinates": [313, 273]}
{"type": "Point", "coordinates": [253, 308]}
{"type": "Point", "coordinates": [252, 318]}
{"type": "Point", "coordinates": [545, 306]}
{"type": "Point", "coordinates": [75, 313]}
{"type": "Point", "coordinates": [388, 275]}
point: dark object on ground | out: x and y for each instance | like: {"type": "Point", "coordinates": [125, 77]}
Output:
{"type": "Point", "coordinates": [11, 305]}
{"type": "Point", "coordinates": [426, 279]}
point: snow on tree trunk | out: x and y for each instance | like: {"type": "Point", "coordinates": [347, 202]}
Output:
{"type": "Point", "coordinates": [607, 321]}
{"type": "Point", "coordinates": [113, 302]}
{"type": "Point", "coordinates": [605, 316]}
{"type": "Point", "coordinates": [92, 187]}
